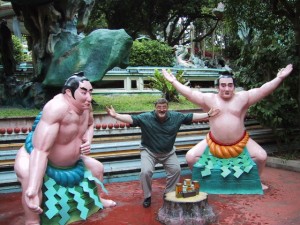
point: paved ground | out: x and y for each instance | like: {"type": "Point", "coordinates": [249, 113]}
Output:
{"type": "Point", "coordinates": [280, 205]}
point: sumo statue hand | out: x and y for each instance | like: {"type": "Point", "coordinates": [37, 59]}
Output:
{"type": "Point", "coordinates": [33, 201]}
{"type": "Point", "coordinates": [169, 76]}
{"type": "Point", "coordinates": [85, 148]}
{"type": "Point", "coordinates": [284, 72]}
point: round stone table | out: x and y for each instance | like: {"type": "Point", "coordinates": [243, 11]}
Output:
{"type": "Point", "coordinates": [186, 211]}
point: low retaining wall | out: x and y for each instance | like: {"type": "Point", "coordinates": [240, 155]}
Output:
{"type": "Point", "coordinates": [292, 165]}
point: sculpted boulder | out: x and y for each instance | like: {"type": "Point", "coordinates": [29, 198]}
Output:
{"type": "Point", "coordinates": [94, 54]}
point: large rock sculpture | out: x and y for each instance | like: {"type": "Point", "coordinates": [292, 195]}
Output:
{"type": "Point", "coordinates": [94, 54]}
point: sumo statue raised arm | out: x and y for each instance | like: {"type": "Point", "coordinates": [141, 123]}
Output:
{"type": "Point", "coordinates": [227, 128]}
{"type": "Point", "coordinates": [54, 157]}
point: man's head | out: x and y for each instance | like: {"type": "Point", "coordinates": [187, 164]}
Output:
{"type": "Point", "coordinates": [226, 85]}
{"type": "Point", "coordinates": [161, 108]}
{"type": "Point", "coordinates": [79, 90]}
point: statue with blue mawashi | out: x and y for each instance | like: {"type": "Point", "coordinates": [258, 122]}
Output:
{"type": "Point", "coordinates": [60, 182]}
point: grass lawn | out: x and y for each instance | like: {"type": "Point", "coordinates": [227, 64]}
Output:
{"type": "Point", "coordinates": [122, 104]}
{"type": "Point", "coordinates": [137, 103]}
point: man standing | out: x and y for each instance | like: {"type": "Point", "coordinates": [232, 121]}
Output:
{"type": "Point", "coordinates": [159, 130]}
{"type": "Point", "coordinates": [57, 151]}
{"type": "Point", "coordinates": [227, 129]}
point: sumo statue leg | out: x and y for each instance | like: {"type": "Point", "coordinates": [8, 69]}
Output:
{"type": "Point", "coordinates": [193, 155]}
{"type": "Point", "coordinates": [21, 168]}
{"type": "Point", "coordinates": [259, 156]}
{"type": "Point", "coordinates": [97, 170]}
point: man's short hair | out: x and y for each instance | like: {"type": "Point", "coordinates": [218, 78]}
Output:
{"type": "Point", "coordinates": [161, 101]}
{"type": "Point", "coordinates": [225, 74]}
{"type": "Point", "coordinates": [72, 83]}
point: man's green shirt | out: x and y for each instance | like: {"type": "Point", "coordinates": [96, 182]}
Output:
{"type": "Point", "coordinates": [159, 137]}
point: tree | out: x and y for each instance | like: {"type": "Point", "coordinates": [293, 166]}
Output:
{"type": "Point", "coordinates": [267, 42]}
{"type": "Point", "coordinates": [159, 19]}
{"type": "Point", "coordinates": [283, 23]}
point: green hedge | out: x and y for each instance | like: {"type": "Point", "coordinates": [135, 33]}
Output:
{"type": "Point", "coordinates": [151, 53]}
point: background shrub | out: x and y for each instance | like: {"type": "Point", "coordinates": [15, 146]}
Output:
{"type": "Point", "coordinates": [151, 53]}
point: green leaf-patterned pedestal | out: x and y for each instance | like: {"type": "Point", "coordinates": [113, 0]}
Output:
{"type": "Point", "coordinates": [237, 175]}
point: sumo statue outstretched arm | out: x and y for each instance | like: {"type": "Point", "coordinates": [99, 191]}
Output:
{"type": "Point", "coordinates": [258, 94]}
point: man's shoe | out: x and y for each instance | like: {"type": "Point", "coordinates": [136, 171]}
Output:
{"type": "Point", "coordinates": [147, 202]}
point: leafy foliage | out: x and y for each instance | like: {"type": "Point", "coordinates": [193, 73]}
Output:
{"type": "Point", "coordinates": [151, 53]}
{"type": "Point", "coordinates": [257, 65]}
{"type": "Point", "coordinates": [261, 37]}
{"type": "Point", "coordinates": [168, 91]}
{"type": "Point", "coordinates": [280, 109]}
{"type": "Point", "coordinates": [158, 20]}
{"type": "Point", "coordinates": [96, 20]}
{"type": "Point", "coordinates": [18, 49]}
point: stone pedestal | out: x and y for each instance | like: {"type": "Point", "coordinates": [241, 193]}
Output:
{"type": "Point", "coordinates": [186, 211]}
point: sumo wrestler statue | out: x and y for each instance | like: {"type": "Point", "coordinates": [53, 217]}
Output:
{"type": "Point", "coordinates": [227, 128]}
{"type": "Point", "coordinates": [53, 167]}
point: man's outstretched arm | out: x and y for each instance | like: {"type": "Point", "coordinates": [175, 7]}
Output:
{"type": "Point", "coordinates": [211, 113]}
{"type": "Point", "coordinates": [126, 118]}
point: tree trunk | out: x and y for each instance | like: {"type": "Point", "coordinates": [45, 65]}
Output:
{"type": "Point", "coordinates": [186, 211]}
